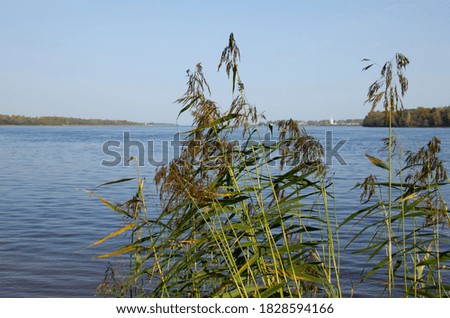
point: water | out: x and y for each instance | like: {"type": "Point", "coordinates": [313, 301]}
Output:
{"type": "Point", "coordinates": [47, 221]}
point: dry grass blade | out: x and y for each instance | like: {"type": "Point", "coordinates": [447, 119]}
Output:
{"type": "Point", "coordinates": [118, 232]}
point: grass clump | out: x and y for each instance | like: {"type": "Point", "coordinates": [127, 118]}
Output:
{"type": "Point", "coordinates": [238, 218]}
{"type": "Point", "coordinates": [243, 215]}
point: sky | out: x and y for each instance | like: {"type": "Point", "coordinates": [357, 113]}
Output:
{"type": "Point", "coordinates": [127, 59]}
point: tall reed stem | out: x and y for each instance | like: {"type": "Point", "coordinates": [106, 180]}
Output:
{"type": "Point", "coordinates": [389, 215]}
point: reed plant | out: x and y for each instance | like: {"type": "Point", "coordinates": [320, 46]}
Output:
{"type": "Point", "coordinates": [240, 216]}
{"type": "Point", "coordinates": [244, 216]}
{"type": "Point", "coordinates": [412, 214]}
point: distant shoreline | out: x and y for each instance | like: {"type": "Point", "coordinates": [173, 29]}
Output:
{"type": "Point", "coordinates": [92, 125]}
{"type": "Point", "coordinates": [420, 117]}
{"type": "Point", "coordinates": [60, 121]}
{"type": "Point", "coordinates": [19, 120]}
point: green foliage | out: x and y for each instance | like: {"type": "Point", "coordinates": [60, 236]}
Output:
{"type": "Point", "coordinates": [409, 220]}
{"type": "Point", "coordinates": [59, 121]}
{"type": "Point", "coordinates": [419, 117]}
{"type": "Point", "coordinates": [419, 223]}
{"type": "Point", "coordinates": [324, 122]}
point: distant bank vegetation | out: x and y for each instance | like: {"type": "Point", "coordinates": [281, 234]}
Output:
{"type": "Point", "coordinates": [60, 121]}
{"type": "Point", "coordinates": [323, 122]}
{"type": "Point", "coordinates": [419, 117]}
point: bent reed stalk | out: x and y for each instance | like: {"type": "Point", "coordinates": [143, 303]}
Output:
{"type": "Point", "coordinates": [232, 224]}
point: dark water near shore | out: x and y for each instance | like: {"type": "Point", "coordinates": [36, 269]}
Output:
{"type": "Point", "coordinates": [46, 220]}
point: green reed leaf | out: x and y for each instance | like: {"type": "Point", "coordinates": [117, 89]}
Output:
{"type": "Point", "coordinates": [123, 250]}
{"type": "Point", "coordinates": [377, 162]}
{"type": "Point", "coordinates": [114, 182]}
{"type": "Point", "coordinates": [110, 205]}
{"type": "Point", "coordinates": [272, 290]}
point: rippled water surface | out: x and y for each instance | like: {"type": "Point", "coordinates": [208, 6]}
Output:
{"type": "Point", "coordinates": [46, 220]}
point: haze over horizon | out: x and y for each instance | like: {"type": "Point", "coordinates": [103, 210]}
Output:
{"type": "Point", "coordinates": [128, 59]}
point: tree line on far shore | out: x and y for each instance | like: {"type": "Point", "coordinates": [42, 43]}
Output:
{"type": "Point", "coordinates": [60, 121]}
{"type": "Point", "coordinates": [418, 117]}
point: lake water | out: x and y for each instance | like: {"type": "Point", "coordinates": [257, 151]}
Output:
{"type": "Point", "coordinates": [47, 221]}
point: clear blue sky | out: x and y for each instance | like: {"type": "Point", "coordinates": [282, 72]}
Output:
{"type": "Point", "coordinates": [301, 59]}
